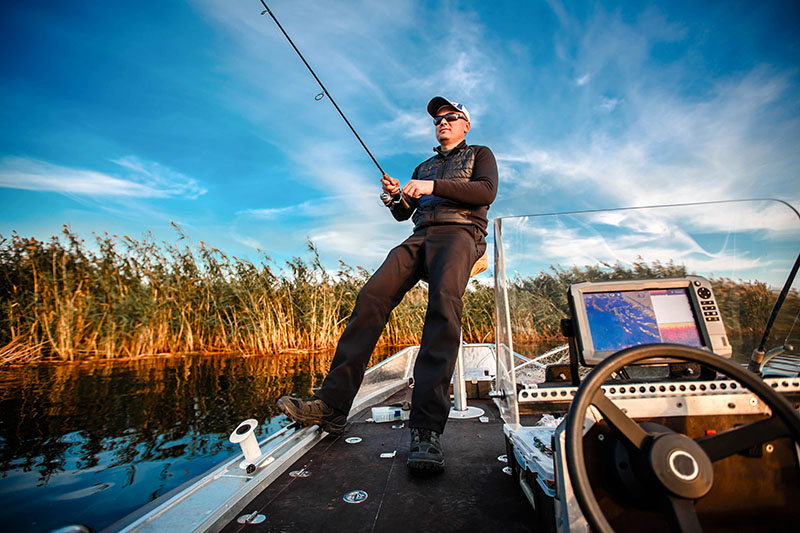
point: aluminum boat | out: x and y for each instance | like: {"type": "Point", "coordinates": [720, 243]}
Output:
{"type": "Point", "coordinates": [672, 406]}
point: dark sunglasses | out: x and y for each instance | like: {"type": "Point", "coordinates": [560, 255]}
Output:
{"type": "Point", "coordinates": [450, 117]}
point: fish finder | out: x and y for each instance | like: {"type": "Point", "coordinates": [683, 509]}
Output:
{"type": "Point", "coordinates": [608, 316]}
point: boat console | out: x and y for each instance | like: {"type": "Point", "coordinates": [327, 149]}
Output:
{"type": "Point", "coordinates": [644, 446]}
{"type": "Point", "coordinates": [646, 440]}
{"type": "Point", "coordinates": [590, 450]}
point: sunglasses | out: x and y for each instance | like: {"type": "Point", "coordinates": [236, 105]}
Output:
{"type": "Point", "coordinates": [450, 117]}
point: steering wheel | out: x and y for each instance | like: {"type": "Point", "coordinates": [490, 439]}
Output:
{"type": "Point", "coordinates": [682, 466]}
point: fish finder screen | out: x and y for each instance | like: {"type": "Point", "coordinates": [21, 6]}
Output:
{"type": "Point", "coordinates": [618, 320]}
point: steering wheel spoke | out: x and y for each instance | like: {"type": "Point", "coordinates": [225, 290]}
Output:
{"type": "Point", "coordinates": [619, 421]}
{"type": "Point", "coordinates": [727, 443]}
{"type": "Point", "coordinates": [682, 515]}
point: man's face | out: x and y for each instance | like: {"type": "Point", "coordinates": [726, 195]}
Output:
{"type": "Point", "coordinates": [451, 132]}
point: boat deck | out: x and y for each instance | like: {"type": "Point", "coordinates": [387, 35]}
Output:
{"type": "Point", "coordinates": [472, 494]}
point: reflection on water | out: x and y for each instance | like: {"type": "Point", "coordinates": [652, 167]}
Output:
{"type": "Point", "coordinates": [88, 443]}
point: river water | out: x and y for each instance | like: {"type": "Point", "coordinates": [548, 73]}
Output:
{"type": "Point", "coordinates": [88, 443]}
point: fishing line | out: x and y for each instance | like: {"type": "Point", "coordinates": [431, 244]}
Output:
{"type": "Point", "coordinates": [324, 92]}
{"type": "Point", "coordinates": [786, 340]}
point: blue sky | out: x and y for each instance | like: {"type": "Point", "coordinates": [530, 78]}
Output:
{"type": "Point", "coordinates": [121, 118]}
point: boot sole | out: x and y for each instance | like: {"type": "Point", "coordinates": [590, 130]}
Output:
{"type": "Point", "coordinates": [289, 410]}
{"type": "Point", "coordinates": [425, 464]}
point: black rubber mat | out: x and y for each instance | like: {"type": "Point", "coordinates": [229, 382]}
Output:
{"type": "Point", "coordinates": [472, 494]}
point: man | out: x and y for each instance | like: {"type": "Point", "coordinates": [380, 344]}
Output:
{"type": "Point", "coordinates": [447, 198]}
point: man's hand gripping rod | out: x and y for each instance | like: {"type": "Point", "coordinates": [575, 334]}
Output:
{"type": "Point", "coordinates": [391, 200]}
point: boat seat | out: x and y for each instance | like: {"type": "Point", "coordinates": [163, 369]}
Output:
{"type": "Point", "coordinates": [480, 265]}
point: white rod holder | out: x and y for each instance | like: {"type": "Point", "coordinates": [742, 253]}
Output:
{"type": "Point", "coordinates": [244, 435]}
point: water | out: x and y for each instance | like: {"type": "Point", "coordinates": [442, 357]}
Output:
{"type": "Point", "coordinates": [89, 443]}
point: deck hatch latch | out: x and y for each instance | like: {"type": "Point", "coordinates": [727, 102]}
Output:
{"type": "Point", "coordinates": [355, 496]}
{"type": "Point", "coordinates": [252, 518]}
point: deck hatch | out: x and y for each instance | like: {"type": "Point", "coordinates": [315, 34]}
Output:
{"type": "Point", "coordinates": [355, 496]}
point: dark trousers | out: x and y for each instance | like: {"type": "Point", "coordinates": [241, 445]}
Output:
{"type": "Point", "coordinates": [444, 255]}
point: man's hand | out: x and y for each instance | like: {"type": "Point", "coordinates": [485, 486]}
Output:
{"type": "Point", "coordinates": [390, 185]}
{"type": "Point", "coordinates": [416, 188]}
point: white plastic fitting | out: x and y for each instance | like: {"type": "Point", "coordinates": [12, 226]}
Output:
{"type": "Point", "coordinates": [245, 436]}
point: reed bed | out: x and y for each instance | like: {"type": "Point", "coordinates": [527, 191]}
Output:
{"type": "Point", "coordinates": [539, 304]}
{"type": "Point", "coordinates": [127, 297]}
{"type": "Point", "coordinates": [61, 300]}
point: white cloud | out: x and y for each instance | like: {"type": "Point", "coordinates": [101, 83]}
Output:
{"type": "Point", "coordinates": [348, 240]}
{"type": "Point", "coordinates": [608, 104]}
{"type": "Point", "coordinates": [275, 212]}
{"type": "Point", "coordinates": [356, 228]}
{"type": "Point", "coordinates": [143, 180]}
{"type": "Point", "coordinates": [412, 126]}
{"type": "Point", "coordinates": [249, 242]}
{"type": "Point", "coordinates": [160, 178]}
{"type": "Point", "coordinates": [471, 72]}
{"type": "Point", "coordinates": [317, 208]}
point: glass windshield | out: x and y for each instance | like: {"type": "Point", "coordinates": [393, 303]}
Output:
{"type": "Point", "coordinates": [746, 249]}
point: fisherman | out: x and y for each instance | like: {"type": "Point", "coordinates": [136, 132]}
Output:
{"type": "Point", "coordinates": [447, 198]}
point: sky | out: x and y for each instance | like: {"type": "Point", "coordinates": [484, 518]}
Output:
{"type": "Point", "coordinates": [123, 118]}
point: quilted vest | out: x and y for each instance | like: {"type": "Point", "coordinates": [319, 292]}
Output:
{"type": "Point", "coordinates": [432, 209]}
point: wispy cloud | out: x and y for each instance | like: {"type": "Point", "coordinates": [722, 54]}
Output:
{"type": "Point", "coordinates": [248, 242]}
{"type": "Point", "coordinates": [341, 226]}
{"type": "Point", "coordinates": [140, 179]}
{"type": "Point", "coordinates": [159, 178]}
{"type": "Point", "coordinates": [317, 207]}
{"type": "Point", "coordinates": [608, 104]}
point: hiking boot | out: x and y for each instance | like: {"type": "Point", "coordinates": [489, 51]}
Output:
{"type": "Point", "coordinates": [426, 450]}
{"type": "Point", "coordinates": [313, 411]}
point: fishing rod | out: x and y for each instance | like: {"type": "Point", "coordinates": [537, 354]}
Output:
{"type": "Point", "coordinates": [759, 352]}
{"type": "Point", "coordinates": [387, 199]}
